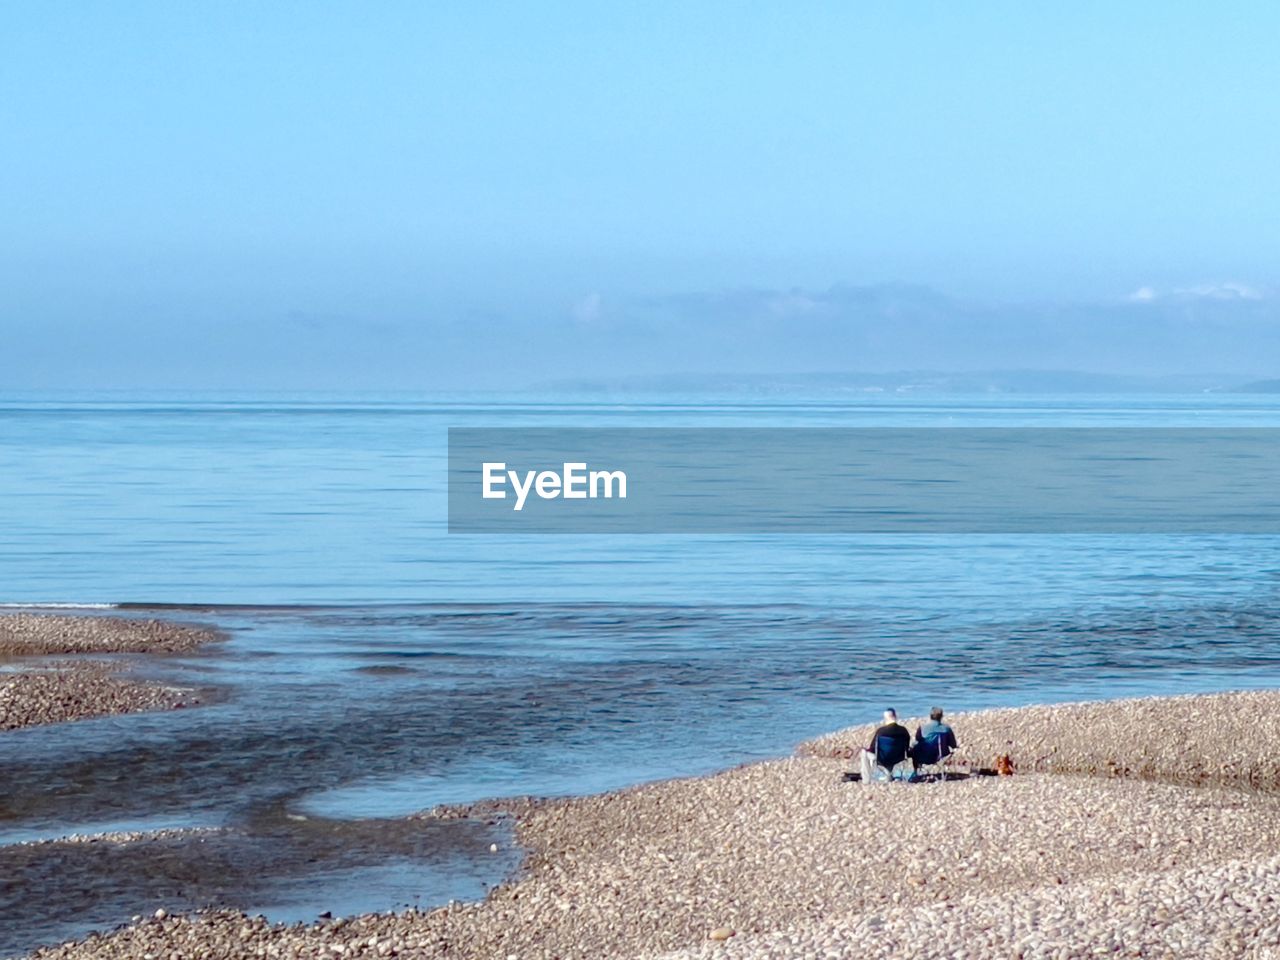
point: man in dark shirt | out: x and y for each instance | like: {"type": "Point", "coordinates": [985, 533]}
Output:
{"type": "Point", "coordinates": [899, 748]}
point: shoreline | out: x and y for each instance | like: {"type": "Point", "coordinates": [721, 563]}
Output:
{"type": "Point", "coordinates": [1104, 838]}
{"type": "Point", "coordinates": [36, 689]}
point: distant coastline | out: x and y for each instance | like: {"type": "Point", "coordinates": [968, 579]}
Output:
{"type": "Point", "coordinates": [915, 382]}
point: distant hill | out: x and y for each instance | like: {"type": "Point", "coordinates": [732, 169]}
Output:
{"type": "Point", "coordinates": [1257, 386]}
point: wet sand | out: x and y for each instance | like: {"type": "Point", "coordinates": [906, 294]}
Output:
{"type": "Point", "coordinates": [1142, 828]}
{"type": "Point", "coordinates": [54, 691]}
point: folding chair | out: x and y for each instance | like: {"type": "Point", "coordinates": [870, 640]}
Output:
{"type": "Point", "coordinates": [891, 756]}
{"type": "Point", "coordinates": [933, 751]}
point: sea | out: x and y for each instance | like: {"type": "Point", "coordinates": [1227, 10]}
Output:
{"type": "Point", "coordinates": [377, 665]}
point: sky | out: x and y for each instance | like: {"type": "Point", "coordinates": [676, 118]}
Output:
{"type": "Point", "coordinates": [420, 195]}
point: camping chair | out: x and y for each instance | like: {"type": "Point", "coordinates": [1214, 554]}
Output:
{"type": "Point", "coordinates": [933, 751]}
{"type": "Point", "coordinates": [891, 756]}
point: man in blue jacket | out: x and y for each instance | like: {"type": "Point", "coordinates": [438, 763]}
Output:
{"type": "Point", "coordinates": [934, 740]}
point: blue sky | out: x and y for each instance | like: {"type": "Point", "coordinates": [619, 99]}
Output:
{"type": "Point", "coordinates": [189, 183]}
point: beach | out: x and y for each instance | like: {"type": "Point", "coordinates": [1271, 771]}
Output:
{"type": "Point", "coordinates": [1146, 827]}
{"type": "Point", "coordinates": [40, 690]}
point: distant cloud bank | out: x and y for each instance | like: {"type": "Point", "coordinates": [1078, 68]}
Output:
{"type": "Point", "coordinates": [1207, 291]}
{"type": "Point", "coordinates": [1213, 335]}
{"type": "Point", "coordinates": [1229, 330]}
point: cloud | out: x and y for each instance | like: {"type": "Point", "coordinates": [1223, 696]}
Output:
{"type": "Point", "coordinates": [1222, 291]}
{"type": "Point", "coordinates": [839, 304]}
{"type": "Point", "coordinates": [1224, 328]}
{"type": "Point", "coordinates": [1226, 291]}
{"type": "Point", "coordinates": [1228, 328]}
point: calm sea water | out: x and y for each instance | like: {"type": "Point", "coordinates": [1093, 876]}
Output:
{"type": "Point", "coordinates": [378, 666]}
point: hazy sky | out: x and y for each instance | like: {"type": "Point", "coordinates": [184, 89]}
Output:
{"type": "Point", "coordinates": [197, 189]}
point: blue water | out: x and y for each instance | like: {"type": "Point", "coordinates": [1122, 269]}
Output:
{"type": "Point", "coordinates": [342, 500]}
{"type": "Point", "coordinates": [378, 666]}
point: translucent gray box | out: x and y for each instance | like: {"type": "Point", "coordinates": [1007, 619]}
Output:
{"type": "Point", "coordinates": [875, 480]}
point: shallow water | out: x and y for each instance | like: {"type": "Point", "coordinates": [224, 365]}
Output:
{"type": "Point", "coordinates": [50, 892]}
{"type": "Point", "coordinates": [388, 667]}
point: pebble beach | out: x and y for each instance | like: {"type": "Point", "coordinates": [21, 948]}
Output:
{"type": "Point", "coordinates": [36, 689]}
{"type": "Point", "coordinates": [1146, 828]}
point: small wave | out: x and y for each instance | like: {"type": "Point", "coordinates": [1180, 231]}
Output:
{"type": "Point", "coordinates": [59, 606]}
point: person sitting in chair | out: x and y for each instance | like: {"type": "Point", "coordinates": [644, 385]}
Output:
{"type": "Point", "coordinates": [890, 747]}
{"type": "Point", "coordinates": [935, 740]}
